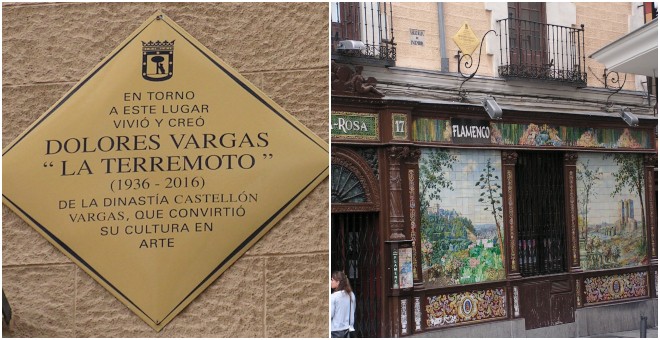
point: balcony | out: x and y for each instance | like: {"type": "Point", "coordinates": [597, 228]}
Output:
{"type": "Point", "coordinates": [362, 33]}
{"type": "Point", "coordinates": [532, 50]}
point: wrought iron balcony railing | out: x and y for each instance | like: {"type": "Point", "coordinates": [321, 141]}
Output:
{"type": "Point", "coordinates": [534, 50]}
{"type": "Point", "coordinates": [363, 30]}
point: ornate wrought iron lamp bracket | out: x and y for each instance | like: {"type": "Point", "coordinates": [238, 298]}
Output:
{"type": "Point", "coordinates": [468, 65]}
{"type": "Point", "coordinates": [614, 80]}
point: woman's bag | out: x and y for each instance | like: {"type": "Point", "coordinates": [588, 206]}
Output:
{"type": "Point", "coordinates": [341, 334]}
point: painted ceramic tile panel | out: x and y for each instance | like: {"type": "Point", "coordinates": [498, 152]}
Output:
{"type": "Point", "coordinates": [611, 221]}
{"type": "Point", "coordinates": [440, 130]}
{"type": "Point", "coordinates": [615, 287]}
{"type": "Point", "coordinates": [461, 215]}
{"type": "Point", "coordinates": [551, 135]}
{"type": "Point", "coordinates": [431, 130]}
{"type": "Point", "coordinates": [456, 308]}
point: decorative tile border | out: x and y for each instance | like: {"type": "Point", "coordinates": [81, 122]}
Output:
{"type": "Point", "coordinates": [531, 134]}
{"type": "Point", "coordinates": [615, 287]}
{"type": "Point", "coordinates": [516, 307]}
{"type": "Point", "coordinates": [413, 218]}
{"type": "Point", "coordinates": [651, 203]}
{"type": "Point", "coordinates": [418, 314]}
{"type": "Point", "coordinates": [404, 317]}
{"type": "Point", "coordinates": [463, 307]}
{"type": "Point", "coordinates": [578, 293]}
{"type": "Point", "coordinates": [572, 199]}
{"type": "Point", "coordinates": [512, 231]}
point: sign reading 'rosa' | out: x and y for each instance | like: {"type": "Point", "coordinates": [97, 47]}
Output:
{"type": "Point", "coordinates": [159, 169]}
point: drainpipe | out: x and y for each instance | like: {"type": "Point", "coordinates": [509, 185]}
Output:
{"type": "Point", "coordinates": [444, 61]}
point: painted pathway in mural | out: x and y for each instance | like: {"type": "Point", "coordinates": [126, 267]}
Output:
{"type": "Point", "coordinates": [610, 211]}
{"type": "Point", "coordinates": [461, 213]}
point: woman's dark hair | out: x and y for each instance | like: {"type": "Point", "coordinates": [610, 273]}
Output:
{"type": "Point", "coordinates": [344, 285]}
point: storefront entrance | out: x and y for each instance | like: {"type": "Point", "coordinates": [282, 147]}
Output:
{"type": "Point", "coordinates": [548, 300]}
{"type": "Point", "coordinates": [355, 250]}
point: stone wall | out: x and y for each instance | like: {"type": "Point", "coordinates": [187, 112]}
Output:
{"type": "Point", "coordinates": [604, 23]}
{"type": "Point", "coordinates": [279, 287]}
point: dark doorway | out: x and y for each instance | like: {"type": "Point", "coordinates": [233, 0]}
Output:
{"type": "Point", "coordinates": [355, 250]}
{"type": "Point", "coordinates": [541, 221]}
{"type": "Point", "coordinates": [548, 300]}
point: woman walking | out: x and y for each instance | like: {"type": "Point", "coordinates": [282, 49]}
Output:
{"type": "Point", "coordinates": [342, 303]}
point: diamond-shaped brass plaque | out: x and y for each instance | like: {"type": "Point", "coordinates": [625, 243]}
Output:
{"type": "Point", "coordinates": [465, 39]}
{"type": "Point", "coordinates": [159, 169]}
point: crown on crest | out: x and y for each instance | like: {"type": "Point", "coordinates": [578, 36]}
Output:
{"type": "Point", "coordinates": [158, 45]}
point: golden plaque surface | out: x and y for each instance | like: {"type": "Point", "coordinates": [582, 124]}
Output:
{"type": "Point", "coordinates": [465, 39]}
{"type": "Point", "coordinates": [159, 169]}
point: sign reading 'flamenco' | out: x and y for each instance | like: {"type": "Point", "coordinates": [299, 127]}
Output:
{"type": "Point", "coordinates": [469, 131]}
{"type": "Point", "coordinates": [155, 174]}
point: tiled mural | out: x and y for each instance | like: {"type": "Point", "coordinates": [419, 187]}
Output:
{"type": "Point", "coordinates": [456, 308]}
{"type": "Point", "coordinates": [615, 287]}
{"type": "Point", "coordinates": [461, 216]}
{"type": "Point", "coordinates": [611, 221]}
{"type": "Point", "coordinates": [555, 135]}
{"type": "Point", "coordinates": [431, 130]}
{"type": "Point", "coordinates": [530, 134]}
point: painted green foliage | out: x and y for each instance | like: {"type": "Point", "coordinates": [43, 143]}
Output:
{"type": "Point", "coordinates": [460, 194]}
{"type": "Point", "coordinates": [587, 177]}
{"type": "Point", "coordinates": [491, 194]}
{"type": "Point", "coordinates": [611, 217]}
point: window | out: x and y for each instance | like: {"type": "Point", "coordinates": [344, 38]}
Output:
{"type": "Point", "coordinates": [527, 37]}
{"type": "Point", "coordinates": [533, 49]}
{"type": "Point", "coordinates": [362, 29]}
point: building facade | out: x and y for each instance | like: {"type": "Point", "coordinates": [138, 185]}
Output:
{"type": "Point", "coordinates": [488, 173]}
{"type": "Point", "coordinates": [279, 287]}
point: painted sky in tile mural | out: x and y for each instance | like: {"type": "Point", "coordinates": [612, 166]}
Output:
{"type": "Point", "coordinates": [460, 237]}
{"type": "Point", "coordinates": [615, 236]}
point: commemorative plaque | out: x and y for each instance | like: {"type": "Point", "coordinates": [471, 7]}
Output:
{"type": "Point", "coordinates": [159, 169]}
{"type": "Point", "coordinates": [465, 39]}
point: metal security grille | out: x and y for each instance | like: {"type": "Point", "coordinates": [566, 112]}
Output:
{"type": "Point", "coordinates": [540, 203]}
{"type": "Point", "coordinates": [355, 250]}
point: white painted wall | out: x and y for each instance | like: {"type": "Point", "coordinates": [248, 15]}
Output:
{"type": "Point", "coordinates": [498, 11]}
{"type": "Point", "coordinates": [561, 13]}
{"type": "Point", "coordinates": [635, 21]}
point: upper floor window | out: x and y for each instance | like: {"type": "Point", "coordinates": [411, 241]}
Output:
{"type": "Point", "coordinates": [363, 30]}
{"type": "Point", "coordinates": [531, 48]}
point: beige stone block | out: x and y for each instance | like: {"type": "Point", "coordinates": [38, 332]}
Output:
{"type": "Point", "coordinates": [40, 48]}
{"type": "Point", "coordinates": [304, 229]}
{"type": "Point", "coordinates": [22, 245]}
{"type": "Point", "coordinates": [42, 300]}
{"type": "Point", "coordinates": [255, 78]}
{"type": "Point", "coordinates": [304, 94]}
{"type": "Point", "coordinates": [233, 306]}
{"type": "Point", "coordinates": [22, 105]}
{"type": "Point", "coordinates": [68, 42]}
{"type": "Point", "coordinates": [297, 290]}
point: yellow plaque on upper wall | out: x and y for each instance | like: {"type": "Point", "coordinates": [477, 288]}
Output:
{"type": "Point", "coordinates": [465, 39]}
{"type": "Point", "coordinates": [159, 169]}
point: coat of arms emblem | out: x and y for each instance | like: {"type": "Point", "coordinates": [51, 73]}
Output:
{"type": "Point", "coordinates": [157, 60]}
